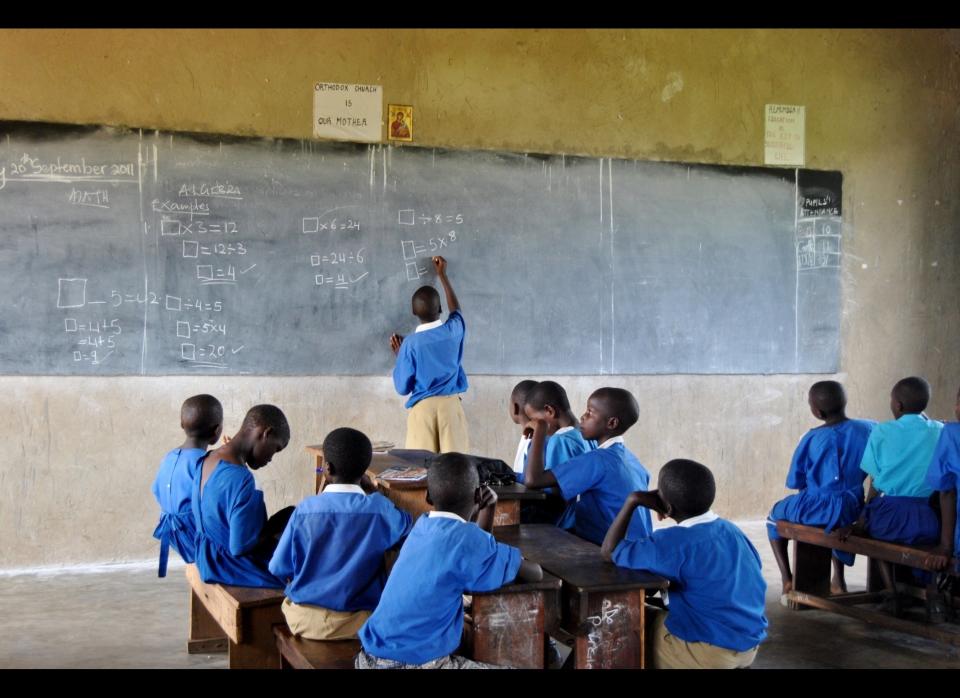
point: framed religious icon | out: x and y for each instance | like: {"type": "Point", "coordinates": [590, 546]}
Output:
{"type": "Point", "coordinates": [400, 120]}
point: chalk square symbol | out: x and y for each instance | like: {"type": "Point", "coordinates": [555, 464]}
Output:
{"type": "Point", "coordinates": [311, 225]}
{"type": "Point", "coordinates": [71, 293]}
{"type": "Point", "coordinates": [191, 248]}
{"type": "Point", "coordinates": [183, 329]}
{"type": "Point", "coordinates": [188, 351]}
{"type": "Point", "coordinates": [205, 272]}
{"type": "Point", "coordinates": [173, 303]}
{"type": "Point", "coordinates": [405, 216]}
{"type": "Point", "coordinates": [314, 260]}
{"type": "Point", "coordinates": [77, 356]}
{"type": "Point", "coordinates": [70, 324]}
{"type": "Point", "coordinates": [413, 273]}
{"type": "Point", "coordinates": [169, 227]}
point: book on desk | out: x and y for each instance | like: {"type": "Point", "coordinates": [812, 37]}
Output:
{"type": "Point", "coordinates": [407, 473]}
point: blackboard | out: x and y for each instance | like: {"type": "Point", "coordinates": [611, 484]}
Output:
{"type": "Point", "coordinates": [127, 252]}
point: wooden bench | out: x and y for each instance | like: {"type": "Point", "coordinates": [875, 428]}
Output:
{"type": "Point", "coordinates": [811, 578]}
{"type": "Point", "coordinates": [602, 605]}
{"type": "Point", "coordinates": [238, 619]}
{"type": "Point", "coordinates": [297, 653]}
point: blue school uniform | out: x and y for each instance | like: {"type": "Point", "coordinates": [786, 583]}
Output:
{"type": "Point", "coordinates": [897, 457]}
{"type": "Point", "coordinates": [173, 488]}
{"type": "Point", "coordinates": [908, 520]}
{"type": "Point", "coordinates": [332, 548]}
{"type": "Point", "coordinates": [230, 514]}
{"type": "Point", "coordinates": [898, 454]}
{"type": "Point", "coordinates": [944, 468]}
{"type": "Point", "coordinates": [602, 478]}
{"type": "Point", "coordinates": [429, 361]}
{"type": "Point", "coordinates": [561, 446]}
{"type": "Point", "coordinates": [716, 586]}
{"type": "Point", "coordinates": [420, 615]}
{"type": "Point", "coordinates": [826, 470]}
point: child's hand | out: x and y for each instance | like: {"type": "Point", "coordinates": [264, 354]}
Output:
{"type": "Point", "coordinates": [843, 533]}
{"type": "Point", "coordinates": [367, 485]}
{"type": "Point", "coordinates": [395, 341]}
{"type": "Point", "coordinates": [651, 500]}
{"type": "Point", "coordinates": [488, 498]}
{"type": "Point", "coordinates": [854, 529]}
{"type": "Point", "coordinates": [939, 562]}
{"type": "Point", "coordinates": [226, 439]}
{"type": "Point", "coordinates": [531, 426]}
{"type": "Point", "coordinates": [941, 557]}
{"type": "Point", "coordinates": [440, 264]}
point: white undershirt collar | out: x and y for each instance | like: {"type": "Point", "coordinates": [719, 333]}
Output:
{"type": "Point", "coordinates": [705, 517]}
{"type": "Point", "coordinates": [611, 441]}
{"type": "Point", "coordinates": [429, 326]}
{"type": "Point", "coordinates": [343, 489]}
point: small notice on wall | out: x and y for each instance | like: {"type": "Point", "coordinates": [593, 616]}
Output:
{"type": "Point", "coordinates": [784, 139]}
{"type": "Point", "coordinates": [347, 112]}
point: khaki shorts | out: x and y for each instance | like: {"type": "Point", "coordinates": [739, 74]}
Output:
{"type": "Point", "coordinates": [318, 623]}
{"type": "Point", "coordinates": [668, 651]}
{"type": "Point", "coordinates": [438, 424]}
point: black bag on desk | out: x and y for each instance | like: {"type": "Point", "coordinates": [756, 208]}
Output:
{"type": "Point", "coordinates": [492, 471]}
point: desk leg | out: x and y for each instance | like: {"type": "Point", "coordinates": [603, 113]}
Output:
{"type": "Point", "coordinates": [508, 629]}
{"type": "Point", "coordinates": [610, 636]}
{"type": "Point", "coordinates": [205, 635]}
{"type": "Point", "coordinates": [259, 649]}
{"type": "Point", "coordinates": [507, 513]}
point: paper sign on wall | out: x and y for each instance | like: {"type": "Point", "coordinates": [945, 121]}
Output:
{"type": "Point", "coordinates": [784, 137]}
{"type": "Point", "coordinates": [347, 112]}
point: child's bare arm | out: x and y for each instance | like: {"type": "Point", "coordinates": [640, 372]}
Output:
{"type": "Point", "coordinates": [948, 516]}
{"type": "Point", "coordinates": [618, 529]}
{"type": "Point", "coordinates": [488, 506]}
{"type": "Point", "coordinates": [534, 475]}
{"type": "Point", "coordinates": [529, 572]}
{"type": "Point", "coordinates": [453, 303]}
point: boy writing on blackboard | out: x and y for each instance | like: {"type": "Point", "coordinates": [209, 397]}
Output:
{"type": "Point", "coordinates": [429, 369]}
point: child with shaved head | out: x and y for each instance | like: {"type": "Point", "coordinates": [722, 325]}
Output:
{"type": "Point", "coordinates": [826, 470]}
{"type": "Point", "coordinates": [716, 601]}
{"type": "Point", "coordinates": [594, 484]}
{"type": "Point", "coordinates": [418, 623]}
{"type": "Point", "coordinates": [201, 418]}
{"type": "Point", "coordinates": [896, 458]}
{"type": "Point", "coordinates": [429, 369]}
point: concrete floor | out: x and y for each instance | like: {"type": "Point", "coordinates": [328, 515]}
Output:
{"type": "Point", "coordinates": [127, 618]}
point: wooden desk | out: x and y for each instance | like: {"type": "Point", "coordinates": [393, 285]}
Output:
{"type": "Point", "coordinates": [602, 605]}
{"type": "Point", "coordinates": [509, 626]}
{"type": "Point", "coordinates": [412, 496]}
